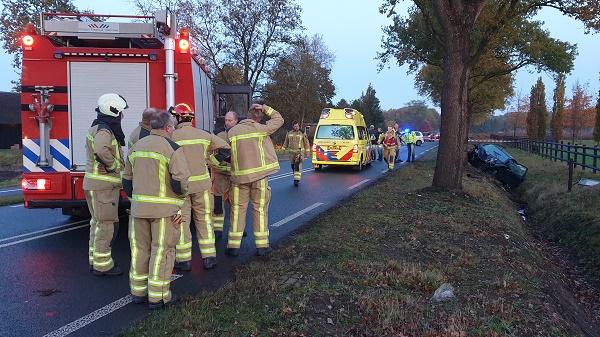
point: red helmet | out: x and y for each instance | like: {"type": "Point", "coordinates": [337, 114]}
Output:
{"type": "Point", "coordinates": [182, 110]}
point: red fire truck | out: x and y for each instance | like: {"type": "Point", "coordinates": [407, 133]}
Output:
{"type": "Point", "coordinates": [74, 59]}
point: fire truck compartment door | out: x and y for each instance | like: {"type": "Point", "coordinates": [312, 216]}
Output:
{"type": "Point", "coordinates": [90, 80]}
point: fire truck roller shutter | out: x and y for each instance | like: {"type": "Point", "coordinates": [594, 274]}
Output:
{"type": "Point", "coordinates": [203, 97]}
{"type": "Point", "coordinates": [89, 80]}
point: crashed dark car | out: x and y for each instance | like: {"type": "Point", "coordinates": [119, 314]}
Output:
{"type": "Point", "coordinates": [494, 159]}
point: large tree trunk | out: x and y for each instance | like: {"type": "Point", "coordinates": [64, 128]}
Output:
{"type": "Point", "coordinates": [454, 117]}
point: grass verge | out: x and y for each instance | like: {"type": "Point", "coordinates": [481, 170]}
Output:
{"type": "Point", "coordinates": [11, 158]}
{"type": "Point", "coordinates": [11, 200]}
{"type": "Point", "coordinates": [572, 219]}
{"type": "Point", "coordinates": [369, 267]}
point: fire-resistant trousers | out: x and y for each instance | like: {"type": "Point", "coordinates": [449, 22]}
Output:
{"type": "Point", "coordinates": [389, 154]}
{"type": "Point", "coordinates": [259, 193]}
{"type": "Point", "coordinates": [221, 187]}
{"type": "Point", "coordinates": [411, 152]}
{"type": "Point", "coordinates": [218, 215]}
{"type": "Point", "coordinates": [199, 207]}
{"type": "Point", "coordinates": [296, 160]}
{"type": "Point", "coordinates": [104, 226]}
{"type": "Point", "coordinates": [152, 243]}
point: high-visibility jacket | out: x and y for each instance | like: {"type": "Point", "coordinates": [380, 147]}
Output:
{"type": "Point", "coordinates": [104, 160]}
{"type": "Point", "coordinates": [138, 133]}
{"type": "Point", "coordinates": [156, 176]}
{"type": "Point", "coordinates": [296, 141]}
{"type": "Point", "coordinates": [253, 155]}
{"type": "Point", "coordinates": [196, 145]}
{"type": "Point", "coordinates": [409, 137]}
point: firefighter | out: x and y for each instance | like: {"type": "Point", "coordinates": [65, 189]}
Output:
{"type": "Point", "coordinates": [391, 143]}
{"type": "Point", "coordinates": [221, 181]}
{"type": "Point", "coordinates": [296, 143]}
{"type": "Point", "coordinates": [156, 180]}
{"type": "Point", "coordinates": [410, 138]}
{"type": "Point", "coordinates": [196, 145]}
{"type": "Point", "coordinates": [253, 159]}
{"type": "Point", "coordinates": [102, 181]}
{"type": "Point", "coordinates": [143, 129]}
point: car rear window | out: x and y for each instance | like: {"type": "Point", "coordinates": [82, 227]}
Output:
{"type": "Point", "coordinates": [344, 132]}
{"type": "Point", "coordinates": [497, 152]}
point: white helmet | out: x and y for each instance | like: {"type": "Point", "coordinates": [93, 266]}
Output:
{"type": "Point", "coordinates": [111, 105]}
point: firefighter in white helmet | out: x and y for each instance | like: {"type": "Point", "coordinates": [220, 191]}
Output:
{"type": "Point", "coordinates": [102, 181]}
{"type": "Point", "coordinates": [156, 180]}
{"type": "Point", "coordinates": [197, 144]}
{"type": "Point", "coordinates": [253, 159]}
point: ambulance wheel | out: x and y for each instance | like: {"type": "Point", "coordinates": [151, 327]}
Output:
{"type": "Point", "coordinates": [419, 143]}
{"type": "Point", "coordinates": [359, 167]}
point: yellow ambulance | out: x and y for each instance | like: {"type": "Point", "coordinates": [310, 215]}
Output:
{"type": "Point", "coordinates": [341, 138]}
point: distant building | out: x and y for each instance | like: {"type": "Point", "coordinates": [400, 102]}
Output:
{"type": "Point", "coordinates": [10, 119]}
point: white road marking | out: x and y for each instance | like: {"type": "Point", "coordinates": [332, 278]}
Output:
{"type": "Point", "coordinates": [15, 206]}
{"type": "Point", "coordinates": [6, 191]}
{"type": "Point", "coordinates": [287, 174]}
{"type": "Point", "coordinates": [43, 236]}
{"type": "Point", "coordinates": [44, 230]}
{"type": "Point", "coordinates": [295, 215]}
{"type": "Point", "coordinates": [358, 184]}
{"type": "Point", "coordinates": [96, 315]}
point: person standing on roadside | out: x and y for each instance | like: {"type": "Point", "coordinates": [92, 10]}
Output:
{"type": "Point", "coordinates": [102, 182]}
{"type": "Point", "coordinates": [156, 181]}
{"type": "Point", "coordinates": [253, 159]}
{"type": "Point", "coordinates": [221, 179]}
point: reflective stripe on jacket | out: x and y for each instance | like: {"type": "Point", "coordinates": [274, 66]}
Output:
{"type": "Point", "coordinates": [253, 156]}
{"type": "Point", "coordinates": [138, 133]}
{"type": "Point", "coordinates": [197, 144]}
{"type": "Point", "coordinates": [296, 141]}
{"type": "Point", "coordinates": [155, 169]}
{"type": "Point", "coordinates": [104, 160]}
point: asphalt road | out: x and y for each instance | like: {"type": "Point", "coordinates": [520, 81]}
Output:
{"type": "Point", "coordinates": [47, 289]}
{"type": "Point", "coordinates": [10, 192]}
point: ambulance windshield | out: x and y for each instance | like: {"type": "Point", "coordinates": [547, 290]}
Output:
{"type": "Point", "coordinates": [344, 132]}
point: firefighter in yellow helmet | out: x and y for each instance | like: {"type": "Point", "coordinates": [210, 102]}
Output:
{"type": "Point", "coordinates": [253, 159]}
{"type": "Point", "coordinates": [221, 179]}
{"type": "Point", "coordinates": [102, 181]}
{"type": "Point", "coordinates": [156, 180]}
{"type": "Point", "coordinates": [296, 143]}
{"type": "Point", "coordinates": [197, 144]}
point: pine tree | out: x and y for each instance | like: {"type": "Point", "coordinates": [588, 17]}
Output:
{"type": "Point", "coordinates": [370, 108]}
{"type": "Point", "coordinates": [542, 111]}
{"type": "Point", "coordinates": [532, 115]}
{"type": "Point", "coordinates": [558, 109]}
{"type": "Point", "coordinates": [597, 125]}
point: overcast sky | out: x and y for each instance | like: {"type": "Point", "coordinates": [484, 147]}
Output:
{"type": "Point", "coordinates": [351, 29]}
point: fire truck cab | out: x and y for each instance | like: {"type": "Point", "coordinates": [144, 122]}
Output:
{"type": "Point", "coordinates": [74, 59]}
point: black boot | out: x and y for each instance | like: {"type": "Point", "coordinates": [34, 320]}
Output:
{"type": "Point", "coordinates": [296, 182]}
{"type": "Point", "coordinates": [263, 251]}
{"type": "Point", "coordinates": [183, 266]}
{"type": "Point", "coordinates": [161, 304]}
{"type": "Point", "coordinates": [209, 262]}
{"type": "Point", "coordinates": [218, 235]}
{"type": "Point", "coordinates": [232, 251]}
{"type": "Point", "coordinates": [139, 299]}
{"type": "Point", "coordinates": [114, 271]}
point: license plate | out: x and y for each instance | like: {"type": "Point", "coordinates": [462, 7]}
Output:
{"type": "Point", "coordinates": [334, 148]}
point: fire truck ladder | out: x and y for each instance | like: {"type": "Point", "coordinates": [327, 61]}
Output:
{"type": "Point", "coordinates": [95, 26]}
